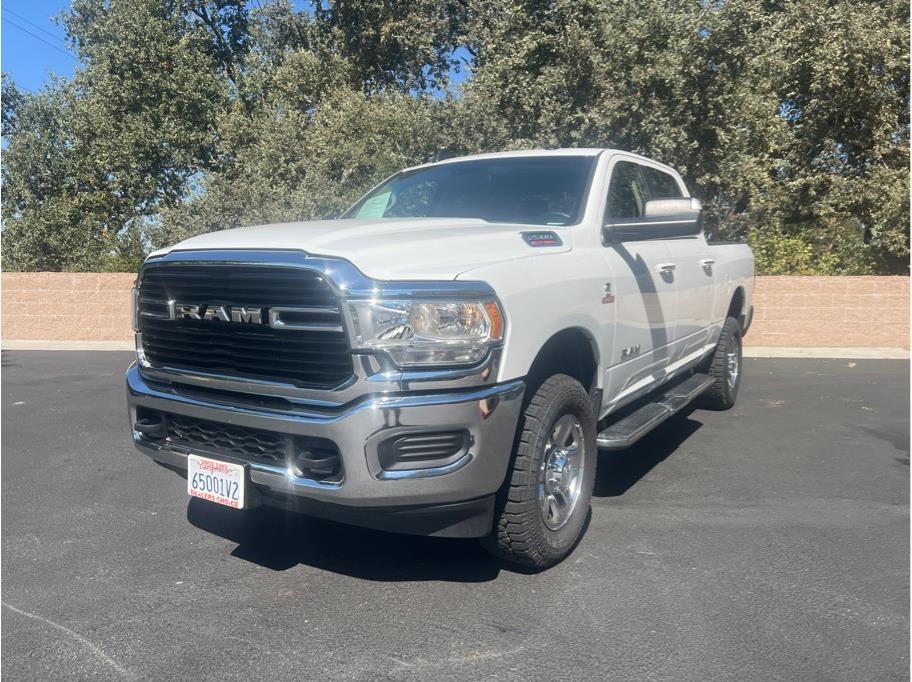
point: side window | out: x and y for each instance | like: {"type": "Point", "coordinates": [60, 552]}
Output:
{"type": "Point", "coordinates": [627, 193]}
{"type": "Point", "coordinates": [661, 184]}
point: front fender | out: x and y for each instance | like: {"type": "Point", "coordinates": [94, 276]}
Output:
{"type": "Point", "coordinates": [544, 296]}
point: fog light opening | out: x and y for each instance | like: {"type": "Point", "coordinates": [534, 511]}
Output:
{"type": "Point", "coordinates": [316, 463]}
{"type": "Point", "coordinates": [423, 450]}
{"type": "Point", "coordinates": [150, 424]}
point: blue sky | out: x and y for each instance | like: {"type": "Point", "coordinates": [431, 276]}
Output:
{"type": "Point", "coordinates": [31, 44]}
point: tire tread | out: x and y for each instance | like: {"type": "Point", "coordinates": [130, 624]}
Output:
{"type": "Point", "coordinates": [718, 396]}
{"type": "Point", "coordinates": [516, 537]}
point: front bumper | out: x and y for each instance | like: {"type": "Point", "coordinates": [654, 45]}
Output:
{"type": "Point", "coordinates": [488, 413]}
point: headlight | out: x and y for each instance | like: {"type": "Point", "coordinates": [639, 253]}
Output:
{"type": "Point", "coordinates": [427, 332]}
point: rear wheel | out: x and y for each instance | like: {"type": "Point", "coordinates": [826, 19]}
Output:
{"type": "Point", "coordinates": [544, 504]}
{"type": "Point", "coordinates": [724, 366]}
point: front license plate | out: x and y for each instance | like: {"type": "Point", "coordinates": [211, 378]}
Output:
{"type": "Point", "coordinates": [219, 482]}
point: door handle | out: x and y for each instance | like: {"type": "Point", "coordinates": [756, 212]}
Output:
{"type": "Point", "coordinates": [708, 262]}
{"type": "Point", "coordinates": [666, 267]}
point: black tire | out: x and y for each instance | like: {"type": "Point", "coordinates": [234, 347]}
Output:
{"type": "Point", "coordinates": [521, 533]}
{"type": "Point", "coordinates": [723, 392]}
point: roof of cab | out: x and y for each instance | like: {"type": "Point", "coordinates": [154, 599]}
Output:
{"type": "Point", "coordinates": [565, 151]}
{"type": "Point", "coordinates": [580, 151]}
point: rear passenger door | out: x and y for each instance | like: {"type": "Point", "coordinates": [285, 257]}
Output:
{"type": "Point", "coordinates": [693, 271]}
{"type": "Point", "coordinates": [642, 288]}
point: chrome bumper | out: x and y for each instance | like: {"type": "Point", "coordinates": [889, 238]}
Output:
{"type": "Point", "coordinates": [489, 413]}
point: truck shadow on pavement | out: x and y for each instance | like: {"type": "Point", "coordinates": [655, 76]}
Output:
{"type": "Point", "coordinates": [280, 540]}
{"type": "Point", "coordinates": [620, 470]}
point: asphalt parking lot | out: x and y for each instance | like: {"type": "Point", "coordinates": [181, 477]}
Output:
{"type": "Point", "coordinates": [770, 541]}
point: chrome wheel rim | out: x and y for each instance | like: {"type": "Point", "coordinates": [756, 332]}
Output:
{"type": "Point", "coordinates": [561, 474]}
{"type": "Point", "coordinates": [733, 358]}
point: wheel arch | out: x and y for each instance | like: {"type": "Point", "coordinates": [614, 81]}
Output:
{"type": "Point", "coordinates": [736, 305]}
{"type": "Point", "coordinates": [573, 351]}
{"type": "Point", "coordinates": [737, 310]}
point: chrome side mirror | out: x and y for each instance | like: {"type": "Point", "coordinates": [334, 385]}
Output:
{"type": "Point", "coordinates": [661, 219]}
{"type": "Point", "coordinates": [683, 207]}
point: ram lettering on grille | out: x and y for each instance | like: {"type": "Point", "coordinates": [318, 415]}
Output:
{"type": "Point", "coordinates": [262, 322]}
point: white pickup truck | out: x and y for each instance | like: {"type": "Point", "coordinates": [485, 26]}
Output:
{"type": "Point", "coordinates": [449, 356]}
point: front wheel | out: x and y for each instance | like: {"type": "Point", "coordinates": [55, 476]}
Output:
{"type": "Point", "coordinates": [544, 503]}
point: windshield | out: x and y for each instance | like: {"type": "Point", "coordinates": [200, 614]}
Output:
{"type": "Point", "coordinates": [537, 190]}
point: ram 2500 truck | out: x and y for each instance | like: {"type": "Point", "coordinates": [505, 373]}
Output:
{"type": "Point", "coordinates": [449, 356]}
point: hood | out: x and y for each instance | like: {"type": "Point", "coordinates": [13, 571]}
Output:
{"type": "Point", "coordinates": [409, 248]}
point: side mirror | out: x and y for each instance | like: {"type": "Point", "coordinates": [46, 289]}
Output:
{"type": "Point", "coordinates": [679, 217]}
{"type": "Point", "coordinates": [662, 219]}
{"type": "Point", "coordinates": [662, 208]}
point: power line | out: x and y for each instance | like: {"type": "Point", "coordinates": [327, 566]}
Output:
{"type": "Point", "coordinates": [24, 89]}
{"type": "Point", "coordinates": [33, 25]}
{"type": "Point", "coordinates": [37, 37]}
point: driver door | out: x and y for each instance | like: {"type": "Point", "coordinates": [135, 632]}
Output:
{"type": "Point", "coordinates": [643, 286]}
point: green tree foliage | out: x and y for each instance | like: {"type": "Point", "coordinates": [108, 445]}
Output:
{"type": "Point", "coordinates": [286, 164]}
{"type": "Point", "coordinates": [399, 43]}
{"type": "Point", "coordinates": [303, 139]}
{"type": "Point", "coordinates": [92, 162]}
{"type": "Point", "coordinates": [790, 119]}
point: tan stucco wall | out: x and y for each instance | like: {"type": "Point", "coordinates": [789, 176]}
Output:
{"type": "Point", "coordinates": [70, 306]}
{"type": "Point", "coordinates": [789, 311]}
{"type": "Point", "coordinates": [831, 311]}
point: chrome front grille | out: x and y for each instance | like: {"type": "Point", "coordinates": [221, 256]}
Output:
{"type": "Point", "coordinates": [306, 345]}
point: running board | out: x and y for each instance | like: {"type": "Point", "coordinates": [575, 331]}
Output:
{"type": "Point", "coordinates": [630, 429]}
